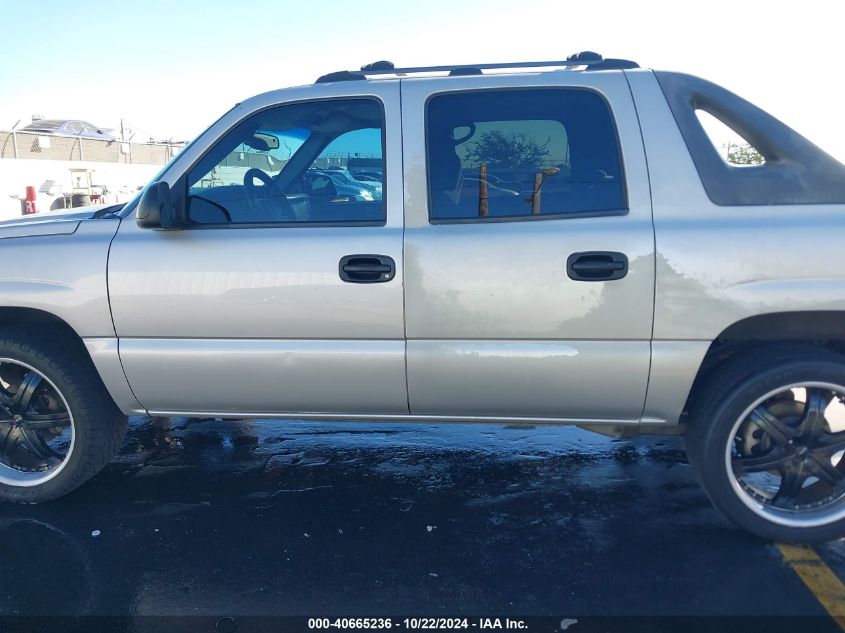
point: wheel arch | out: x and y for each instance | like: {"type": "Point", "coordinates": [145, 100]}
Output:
{"type": "Point", "coordinates": [820, 328]}
{"type": "Point", "coordinates": [16, 316]}
{"type": "Point", "coordinates": [102, 353]}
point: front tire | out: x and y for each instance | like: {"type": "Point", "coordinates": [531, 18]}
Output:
{"type": "Point", "coordinates": [766, 438]}
{"type": "Point", "coordinates": [58, 424]}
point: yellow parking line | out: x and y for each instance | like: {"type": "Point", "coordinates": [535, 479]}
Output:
{"type": "Point", "coordinates": [819, 578]}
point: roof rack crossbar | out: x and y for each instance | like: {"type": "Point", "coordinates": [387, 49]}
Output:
{"type": "Point", "coordinates": [462, 69]}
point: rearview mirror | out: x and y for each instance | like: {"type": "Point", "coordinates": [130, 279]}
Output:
{"type": "Point", "coordinates": [156, 209]}
{"type": "Point", "coordinates": [262, 142]}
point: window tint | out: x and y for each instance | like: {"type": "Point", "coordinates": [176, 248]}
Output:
{"type": "Point", "coordinates": [516, 153]}
{"type": "Point", "coordinates": [293, 163]}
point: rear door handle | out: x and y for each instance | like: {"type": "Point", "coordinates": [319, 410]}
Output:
{"type": "Point", "coordinates": [597, 266]}
{"type": "Point", "coordinates": [366, 269]}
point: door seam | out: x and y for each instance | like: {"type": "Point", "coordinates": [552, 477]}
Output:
{"type": "Point", "coordinates": [404, 228]}
{"type": "Point", "coordinates": [654, 246]}
{"type": "Point", "coordinates": [111, 315]}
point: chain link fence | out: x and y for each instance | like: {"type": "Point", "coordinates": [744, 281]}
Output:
{"type": "Point", "coordinates": [26, 145]}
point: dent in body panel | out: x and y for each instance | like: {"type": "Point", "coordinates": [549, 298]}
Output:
{"type": "Point", "coordinates": [577, 380]}
{"type": "Point", "coordinates": [281, 376]}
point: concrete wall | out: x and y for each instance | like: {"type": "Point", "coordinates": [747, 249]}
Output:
{"type": "Point", "coordinates": [52, 178]}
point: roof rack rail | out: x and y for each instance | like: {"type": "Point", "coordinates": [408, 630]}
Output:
{"type": "Point", "coordinates": [588, 59]}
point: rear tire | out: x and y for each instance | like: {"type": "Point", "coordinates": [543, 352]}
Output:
{"type": "Point", "coordinates": [58, 424]}
{"type": "Point", "coordinates": [749, 428]}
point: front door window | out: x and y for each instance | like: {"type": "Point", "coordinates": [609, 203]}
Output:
{"type": "Point", "coordinates": [306, 163]}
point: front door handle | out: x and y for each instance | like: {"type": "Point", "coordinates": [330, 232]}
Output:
{"type": "Point", "coordinates": [597, 266]}
{"type": "Point", "coordinates": [366, 269]}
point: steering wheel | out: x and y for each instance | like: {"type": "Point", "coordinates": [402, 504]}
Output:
{"type": "Point", "coordinates": [270, 190]}
{"type": "Point", "coordinates": [253, 192]}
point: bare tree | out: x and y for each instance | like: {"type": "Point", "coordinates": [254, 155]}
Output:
{"type": "Point", "coordinates": [508, 150]}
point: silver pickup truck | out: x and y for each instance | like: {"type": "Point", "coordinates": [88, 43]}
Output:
{"type": "Point", "coordinates": [540, 243]}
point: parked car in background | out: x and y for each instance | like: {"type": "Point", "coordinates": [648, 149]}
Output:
{"type": "Point", "coordinates": [71, 127]}
{"type": "Point", "coordinates": [372, 167]}
{"type": "Point", "coordinates": [472, 184]}
{"type": "Point", "coordinates": [374, 177]}
{"type": "Point", "coordinates": [342, 177]}
{"type": "Point", "coordinates": [346, 185]}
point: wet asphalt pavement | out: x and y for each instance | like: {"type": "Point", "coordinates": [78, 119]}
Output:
{"type": "Point", "coordinates": [256, 518]}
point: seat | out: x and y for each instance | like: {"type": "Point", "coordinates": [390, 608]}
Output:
{"type": "Point", "coordinates": [446, 179]}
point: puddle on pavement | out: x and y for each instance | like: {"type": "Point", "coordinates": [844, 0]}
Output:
{"type": "Point", "coordinates": [297, 517]}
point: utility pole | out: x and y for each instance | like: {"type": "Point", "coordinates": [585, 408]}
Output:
{"type": "Point", "coordinates": [15, 138]}
{"type": "Point", "coordinates": [122, 141]}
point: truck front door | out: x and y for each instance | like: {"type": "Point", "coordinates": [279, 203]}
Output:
{"type": "Point", "coordinates": [284, 292]}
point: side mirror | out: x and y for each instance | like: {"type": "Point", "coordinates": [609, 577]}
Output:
{"type": "Point", "coordinates": [156, 209]}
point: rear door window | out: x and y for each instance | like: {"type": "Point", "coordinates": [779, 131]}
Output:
{"type": "Point", "coordinates": [514, 154]}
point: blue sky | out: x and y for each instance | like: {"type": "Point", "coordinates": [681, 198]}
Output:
{"type": "Point", "coordinates": [171, 68]}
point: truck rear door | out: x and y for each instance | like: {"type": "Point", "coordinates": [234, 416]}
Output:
{"type": "Point", "coordinates": [529, 247]}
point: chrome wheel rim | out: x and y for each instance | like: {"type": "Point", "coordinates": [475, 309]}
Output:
{"type": "Point", "coordinates": [786, 455]}
{"type": "Point", "coordinates": [36, 426]}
